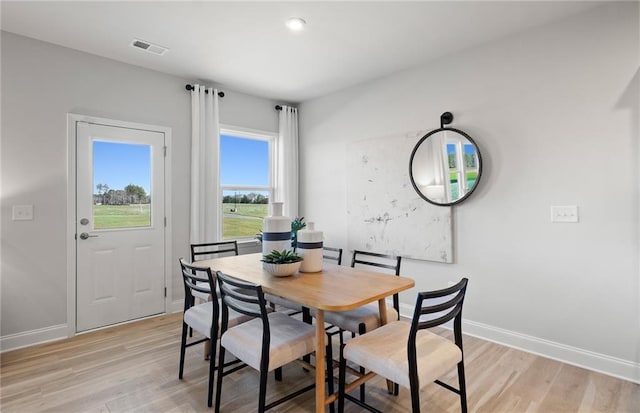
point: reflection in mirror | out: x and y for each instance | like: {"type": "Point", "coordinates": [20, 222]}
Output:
{"type": "Point", "coordinates": [445, 166]}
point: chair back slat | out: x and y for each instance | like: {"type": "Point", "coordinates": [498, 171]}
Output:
{"type": "Point", "coordinates": [208, 250]}
{"type": "Point", "coordinates": [436, 308]}
{"type": "Point", "coordinates": [199, 279]}
{"type": "Point", "coordinates": [375, 259]}
{"type": "Point", "coordinates": [242, 296]}
{"type": "Point", "coordinates": [449, 309]}
{"type": "Point", "coordinates": [332, 254]}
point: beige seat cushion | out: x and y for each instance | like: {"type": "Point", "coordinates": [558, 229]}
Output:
{"type": "Point", "coordinates": [384, 351]}
{"type": "Point", "coordinates": [350, 320]}
{"type": "Point", "coordinates": [199, 317]}
{"type": "Point", "coordinates": [290, 340]}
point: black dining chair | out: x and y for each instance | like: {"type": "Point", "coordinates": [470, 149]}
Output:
{"type": "Point", "coordinates": [409, 354]}
{"type": "Point", "coordinates": [203, 318]}
{"type": "Point", "coordinates": [332, 254]}
{"type": "Point", "coordinates": [365, 318]}
{"type": "Point", "coordinates": [205, 251]}
{"type": "Point", "coordinates": [266, 343]}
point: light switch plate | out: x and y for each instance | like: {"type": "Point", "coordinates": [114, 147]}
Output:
{"type": "Point", "coordinates": [564, 213]}
{"type": "Point", "coordinates": [22, 212]}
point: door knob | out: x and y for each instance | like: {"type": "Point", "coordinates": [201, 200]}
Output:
{"type": "Point", "coordinates": [85, 235]}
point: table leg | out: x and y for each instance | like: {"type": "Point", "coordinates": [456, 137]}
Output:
{"type": "Point", "coordinates": [320, 362]}
{"type": "Point", "coordinates": [382, 308]}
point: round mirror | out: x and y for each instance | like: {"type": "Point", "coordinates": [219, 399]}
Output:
{"type": "Point", "coordinates": [445, 166]}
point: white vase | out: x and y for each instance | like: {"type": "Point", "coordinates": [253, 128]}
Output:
{"type": "Point", "coordinates": [310, 248]}
{"type": "Point", "coordinates": [276, 231]}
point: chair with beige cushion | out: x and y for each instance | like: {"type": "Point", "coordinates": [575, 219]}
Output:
{"type": "Point", "coordinates": [366, 318]}
{"type": "Point", "coordinates": [266, 343]}
{"type": "Point", "coordinates": [209, 250]}
{"type": "Point", "coordinates": [407, 353]}
{"type": "Point", "coordinates": [203, 318]}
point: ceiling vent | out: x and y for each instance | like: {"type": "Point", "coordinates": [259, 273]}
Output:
{"type": "Point", "coordinates": [149, 47]}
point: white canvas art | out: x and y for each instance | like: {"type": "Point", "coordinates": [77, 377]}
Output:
{"type": "Point", "coordinates": [385, 214]}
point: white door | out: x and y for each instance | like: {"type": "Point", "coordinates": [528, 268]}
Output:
{"type": "Point", "coordinates": [120, 224]}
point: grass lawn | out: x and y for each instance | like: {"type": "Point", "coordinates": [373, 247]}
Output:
{"type": "Point", "coordinates": [121, 216]}
{"type": "Point", "coordinates": [240, 227]}
{"type": "Point", "coordinates": [242, 223]}
{"type": "Point", "coordinates": [246, 225]}
{"type": "Point", "coordinates": [249, 210]}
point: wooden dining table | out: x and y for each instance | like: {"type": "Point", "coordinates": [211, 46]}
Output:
{"type": "Point", "coordinates": [335, 288]}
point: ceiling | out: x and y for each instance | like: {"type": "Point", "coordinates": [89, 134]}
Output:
{"type": "Point", "coordinates": [245, 46]}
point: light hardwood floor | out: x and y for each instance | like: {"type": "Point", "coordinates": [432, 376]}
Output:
{"type": "Point", "coordinates": [134, 367]}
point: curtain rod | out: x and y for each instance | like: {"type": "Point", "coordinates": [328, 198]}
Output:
{"type": "Point", "coordinates": [278, 107]}
{"type": "Point", "coordinates": [190, 87]}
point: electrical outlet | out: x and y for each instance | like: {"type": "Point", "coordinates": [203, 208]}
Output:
{"type": "Point", "coordinates": [565, 213]}
{"type": "Point", "coordinates": [22, 212]}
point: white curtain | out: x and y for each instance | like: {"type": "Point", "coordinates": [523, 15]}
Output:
{"type": "Point", "coordinates": [286, 161]}
{"type": "Point", "coordinates": [205, 148]}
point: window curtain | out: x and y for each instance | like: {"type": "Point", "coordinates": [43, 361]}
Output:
{"type": "Point", "coordinates": [205, 149]}
{"type": "Point", "coordinates": [434, 168]}
{"type": "Point", "coordinates": [286, 161]}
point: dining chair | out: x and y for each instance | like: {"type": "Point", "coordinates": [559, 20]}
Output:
{"type": "Point", "coordinates": [332, 254]}
{"type": "Point", "coordinates": [407, 353]}
{"type": "Point", "coordinates": [365, 318]}
{"type": "Point", "coordinates": [266, 343]}
{"type": "Point", "coordinates": [203, 318]}
{"type": "Point", "coordinates": [209, 250]}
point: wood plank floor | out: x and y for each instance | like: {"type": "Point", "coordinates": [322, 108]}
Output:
{"type": "Point", "coordinates": [134, 368]}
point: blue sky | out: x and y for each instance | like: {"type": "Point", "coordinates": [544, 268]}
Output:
{"type": "Point", "coordinates": [243, 162]}
{"type": "Point", "coordinates": [120, 164]}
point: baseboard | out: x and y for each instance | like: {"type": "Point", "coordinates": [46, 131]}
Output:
{"type": "Point", "coordinates": [33, 337]}
{"type": "Point", "coordinates": [601, 363]}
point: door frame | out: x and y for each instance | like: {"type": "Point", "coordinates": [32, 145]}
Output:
{"type": "Point", "coordinates": [72, 120]}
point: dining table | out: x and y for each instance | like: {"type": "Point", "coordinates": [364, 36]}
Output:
{"type": "Point", "coordinates": [334, 288]}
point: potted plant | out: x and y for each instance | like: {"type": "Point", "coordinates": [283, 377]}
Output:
{"type": "Point", "coordinates": [281, 263]}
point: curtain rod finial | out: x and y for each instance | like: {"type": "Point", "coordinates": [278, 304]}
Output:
{"type": "Point", "coordinates": [190, 87]}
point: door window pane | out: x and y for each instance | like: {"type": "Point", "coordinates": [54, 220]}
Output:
{"type": "Point", "coordinates": [121, 183]}
{"type": "Point", "coordinates": [243, 213]}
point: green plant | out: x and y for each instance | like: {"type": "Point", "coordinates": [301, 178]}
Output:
{"type": "Point", "coordinates": [281, 257]}
{"type": "Point", "coordinates": [296, 225]}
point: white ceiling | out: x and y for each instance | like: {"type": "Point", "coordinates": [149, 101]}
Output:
{"type": "Point", "coordinates": [244, 46]}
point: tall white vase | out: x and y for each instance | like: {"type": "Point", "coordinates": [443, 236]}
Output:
{"type": "Point", "coordinates": [276, 231]}
{"type": "Point", "coordinates": [310, 248]}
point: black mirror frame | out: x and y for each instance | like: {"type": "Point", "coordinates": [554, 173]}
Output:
{"type": "Point", "coordinates": [415, 149]}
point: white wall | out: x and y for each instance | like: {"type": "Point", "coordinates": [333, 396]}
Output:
{"type": "Point", "coordinates": [555, 112]}
{"type": "Point", "coordinates": [41, 83]}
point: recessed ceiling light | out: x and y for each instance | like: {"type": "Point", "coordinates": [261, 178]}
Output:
{"type": "Point", "coordinates": [296, 24]}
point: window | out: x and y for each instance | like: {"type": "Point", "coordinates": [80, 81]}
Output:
{"type": "Point", "coordinates": [463, 167]}
{"type": "Point", "coordinates": [245, 181]}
